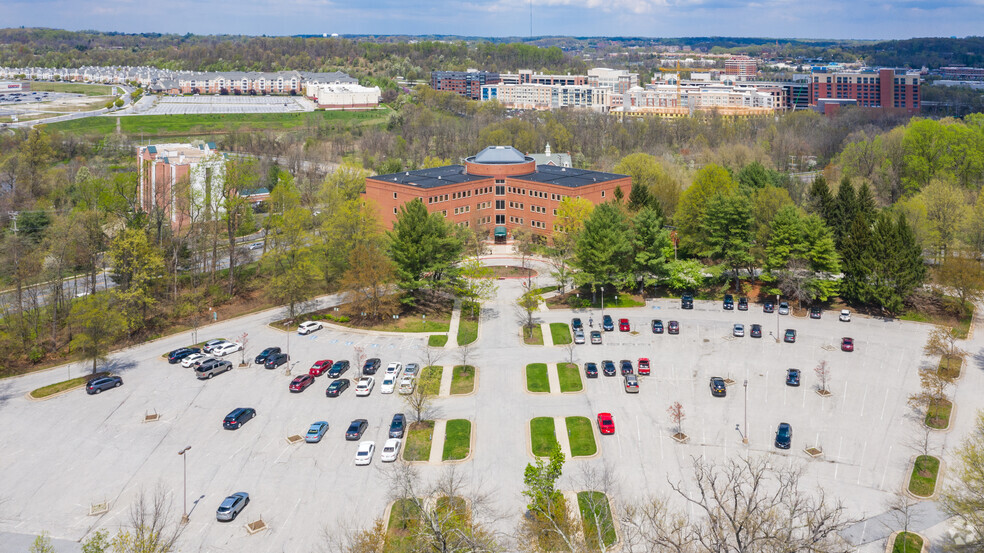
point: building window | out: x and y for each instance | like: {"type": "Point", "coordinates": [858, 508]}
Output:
{"type": "Point", "coordinates": [602, 193]}
{"type": "Point", "coordinates": [500, 204]}
{"type": "Point", "coordinates": [394, 211]}
{"type": "Point", "coordinates": [394, 195]}
{"type": "Point", "coordinates": [500, 219]}
{"type": "Point", "coordinates": [500, 190]}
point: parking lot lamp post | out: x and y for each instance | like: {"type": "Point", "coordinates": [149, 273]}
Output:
{"type": "Point", "coordinates": [777, 318]}
{"type": "Point", "coordinates": [184, 462]}
{"type": "Point", "coordinates": [744, 438]}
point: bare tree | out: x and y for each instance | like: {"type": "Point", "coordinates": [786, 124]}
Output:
{"type": "Point", "coordinates": [359, 357]}
{"type": "Point", "coordinates": [152, 526]}
{"type": "Point", "coordinates": [823, 375]}
{"type": "Point", "coordinates": [570, 348]}
{"type": "Point", "coordinates": [465, 354]}
{"type": "Point", "coordinates": [901, 507]}
{"type": "Point", "coordinates": [677, 415]}
{"type": "Point", "coordinates": [931, 396]}
{"type": "Point", "coordinates": [597, 514]}
{"type": "Point", "coordinates": [419, 402]}
{"type": "Point", "coordinates": [942, 342]}
{"type": "Point", "coordinates": [244, 340]}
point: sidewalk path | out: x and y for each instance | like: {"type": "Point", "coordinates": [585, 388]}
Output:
{"type": "Point", "coordinates": [455, 322]}
{"type": "Point", "coordinates": [447, 375]}
{"type": "Point", "coordinates": [437, 442]}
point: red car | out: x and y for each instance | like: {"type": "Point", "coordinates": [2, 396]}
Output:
{"type": "Point", "coordinates": [674, 328]}
{"type": "Point", "coordinates": [847, 344]}
{"type": "Point", "coordinates": [623, 325]}
{"type": "Point", "coordinates": [605, 423]}
{"type": "Point", "coordinates": [301, 383]}
{"type": "Point", "coordinates": [320, 367]}
{"type": "Point", "coordinates": [643, 366]}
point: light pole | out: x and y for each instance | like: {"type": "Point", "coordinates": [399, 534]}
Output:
{"type": "Point", "coordinates": [744, 438]}
{"type": "Point", "coordinates": [184, 461]}
{"type": "Point", "coordinates": [777, 318]}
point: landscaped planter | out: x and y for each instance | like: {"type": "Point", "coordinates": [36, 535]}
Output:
{"type": "Point", "coordinates": [924, 476]}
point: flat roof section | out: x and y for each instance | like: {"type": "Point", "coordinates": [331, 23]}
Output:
{"type": "Point", "coordinates": [568, 176]}
{"type": "Point", "coordinates": [431, 178]}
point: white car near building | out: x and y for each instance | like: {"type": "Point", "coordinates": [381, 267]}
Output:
{"type": "Point", "coordinates": [388, 385]}
{"type": "Point", "coordinates": [364, 455]}
{"type": "Point", "coordinates": [845, 315]}
{"type": "Point", "coordinates": [365, 386]}
{"type": "Point", "coordinates": [391, 450]}
{"type": "Point", "coordinates": [393, 369]}
{"type": "Point", "coordinates": [307, 327]}
{"type": "Point", "coordinates": [227, 348]}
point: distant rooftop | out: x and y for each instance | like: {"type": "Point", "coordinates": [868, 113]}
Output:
{"type": "Point", "coordinates": [493, 155]}
{"type": "Point", "coordinates": [455, 174]}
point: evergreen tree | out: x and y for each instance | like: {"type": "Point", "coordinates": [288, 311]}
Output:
{"type": "Point", "coordinates": [424, 248]}
{"type": "Point", "coordinates": [604, 252]}
{"type": "Point", "coordinates": [786, 238]}
{"type": "Point", "coordinates": [844, 207]}
{"type": "Point", "coordinates": [752, 176]}
{"type": "Point", "coordinates": [822, 255]}
{"type": "Point", "coordinates": [857, 263]}
{"type": "Point", "coordinates": [864, 203]}
{"type": "Point", "coordinates": [728, 225]}
{"type": "Point", "coordinates": [821, 200]}
{"type": "Point", "coordinates": [619, 195]}
{"type": "Point", "coordinates": [898, 267]}
{"type": "Point", "coordinates": [639, 197]}
{"type": "Point", "coordinates": [650, 242]}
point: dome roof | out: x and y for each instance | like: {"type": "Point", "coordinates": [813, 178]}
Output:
{"type": "Point", "coordinates": [499, 155]}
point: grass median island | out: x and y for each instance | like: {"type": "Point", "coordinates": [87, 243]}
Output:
{"type": "Point", "coordinates": [922, 482]}
{"type": "Point", "coordinates": [949, 367]}
{"type": "Point", "coordinates": [65, 385]}
{"type": "Point", "coordinates": [533, 336]}
{"type": "Point", "coordinates": [418, 446]}
{"type": "Point", "coordinates": [536, 378]}
{"type": "Point", "coordinates": [543, 437]}
{"type": "Point", "coordinates": [907, 542]}
{"type": "Point", "coordinates": [561, 333]}
{"type": "Point", "coordinates": [198, 345]}
{"type": "Point", "coordinates": [404, 521]}
{"type": "Point", "coordinates": [437, 340]}
{"type": "Point", "coordinates": [580, 434]}
{"type": "Point", "coordinates": [595, 513]}
{"type": "Point", "coordinates": [467, 327]}
{"type": "Point", "coordinates": [570, 377]}
{"type": "Point", "coordinates": [457, 439]}
{"type": "Point", "coordinates": [463, 380]}
{"type": "Point", "coordinates": [938, 414]}
{"type": "Point", "coordinates": [430, 379]}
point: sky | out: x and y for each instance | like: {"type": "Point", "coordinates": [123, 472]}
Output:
{"type": "Point", "coordinates": [840, 19]}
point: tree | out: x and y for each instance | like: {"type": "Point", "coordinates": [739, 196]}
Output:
{"type": "Point", "coordinates": [945, 211]}
{"type": "Point", "coordinates": [902, 508]}
{"type": "Point", "coordinates": [529, 302]}
{"type": "Point", "coordinates": [291, 259]}
{"type": "Point", "coordinates": [843, 210]}
{"type": "Point", "coordinates": [42, 544]}
{"type": "Point", "coordinates": [418, 401]}
{"type": "Point", "coordinates": [821, 200]}
{"type": "Point", "coordinates": [685, 274]}
{"type": "Point", "coordinates": [858, 263]}
{"type": "Point", "coordinates": [710, 181]}
{"type": "Point", "coordinates": [973, 230]}
{"type": "Point", "coordinates": [136, 265]}
{"type": "Point", "coordinates": [244, 341]}
{"type": "Point", "coordinates": [727, 227]}
{"type": "Point", "coordinates": [963, 275]}
{"type": "Point", "coordinates": [549, 524]}
{"type": "Point", "coordinates": [942, 342]}
{"type": "Point", "coordinates": [677, 416]}
{"type": "Point", "coordinates": [98, 542]}
{"type": "Point", "coordinates": [477, 283]}
{"type": "Point", "coordinates": [568, 226]}
{"type": "Point", "coordinates": [822, 370]}
{"type": "Point", "coordinates": [152, 526]}
{"type": "Point", "coordinates": [424, 249]}
{"type": "Point", "coordinates": [786, 239]}
{"type": "Point", "coordinates": [241, 176]}
{"type": "Point", "coordinates": [604, 249]}
{"type": "Point", "coordinates": [368, 282]}
{"type": "Point", "coordinates": [964, 497]}
{"type": "Point", "coordinates": [898, 267]}
{"type": "Point", "coordinates": [650, 242]}
{"type": "Point", "coordinates": [650, 183]}
{"type": "Point", "coordinates": [97, 324]}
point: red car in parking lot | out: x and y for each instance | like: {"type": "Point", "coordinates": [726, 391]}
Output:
{"type": "Point", "coordinates": [301, 383]}
{"type": "Point", "coordinates": [623, 325]}
{"type": "Point", "coordinates": [847, 344]}
{"type": "Point", "coordinates": [643, 366]}
{"type": "Point", "coordinates": [606, 425]}
{"type": "Point", "coordinates": [320, 367]}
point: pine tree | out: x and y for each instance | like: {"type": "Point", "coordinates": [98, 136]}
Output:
{"type": "Point", "coordinates": [424, 248]}
{"type": "Point", "coordinates": [857, 263]}
{"type": "Point", "coordinates": [727, 225]}
{"type": "Point", "coordinates": [604, 250]}
{"type": "Point", "coordinates": [786, 238]}
{"type": "Point", "coordinates": [650, 242]}
{"type": "Point", "coordinates": [821, 200]}
{"type": "Point", "coordinates": [844, 207]}
{"type": "Point", "coordinates": [864, 203]}
{"type": "Point", "coordinates": [639, 197]}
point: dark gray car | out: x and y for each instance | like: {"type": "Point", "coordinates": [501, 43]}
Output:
{"type": "Point", "coordinates": [211, 368]}
{"type": "Point", "coordinates": [104, 383]}
{"type": "Point", "coordinates": [398, 425]}
{"type": "Point", "coordinates": [232, 506]}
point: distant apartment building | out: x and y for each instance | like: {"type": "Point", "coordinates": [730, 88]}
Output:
{"type": "Point", "coordinates": [889, 89]}
{"type": "Point", "coordinates": [741, 66]}
{"type": "Point", "coordinates": [548, 97]}
{"type": "Point", "coordinates": [182, 180]}
{"type": "Point", "coordinates": [963, 73]}
{"type": "Point", "coordinates": [673, 98]}
{"type": "Point", "coordinates": [526, 76]}
{"type": "Point", "coordinates": [346, 97]}
{"type": "Point", "coordinates": [619, 81]}
{"type": "Point", "coordinates": [466, 83]}
{"type": "Point", "coordinates": [499, 190]}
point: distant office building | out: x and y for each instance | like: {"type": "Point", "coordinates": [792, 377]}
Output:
{"type": "Point", "coordinates": [618, 80]}
{"type": "Point", "coordinates": [499, 190]}
{"type": "Point", "coordinates": [347, 97]}
{"type": "Point", "coordinates": [963, 73]}
{"type": "Point", "coordinates": [466, 83]}
{"type": "Point", "coordinates": [526, 76]}
{"type": "Point", "coordinates": [742, 66]}
{"type": "Point", "coordinates": [893, 89]}
{"type": "Point", "coordinates": [684, 98]}
{"type": "Point", "coordinates": [547, 97]}
{"type": "Point", "coordinates": [182, 180]}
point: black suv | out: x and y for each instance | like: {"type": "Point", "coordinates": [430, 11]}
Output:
{"type": "Point", "coordinates": [784, 435]}
{"type": "Point", "coordinates": [657, 326]}
{"type": "Point", "coordinates": [576, 324]}
{"type": "Point", "coordinates": [718, 388]}
{"type": "Point", "coordinates": [591, 370]}
{"type": "Point", "coordinates": [729, 302]}
{"type": "Point", "coordinates": [607, 324]}
{"type": "Point", "coordinates": [626, 366]}
{"type": "Point", "coordinates": [397, 426]}
{"type": "Point", "coordinates": [687, 301]}
{"type": "Point", "coordinates": [742, 304]}
{"type": "Point", "coordinates": [371, 365]}
{"type": "Point", "coordinates": [337, 368]}
{"type": "Point", "coordinates": [265, 354]}
{"type": "Point", "coordinates": [275, 360]}
{"type": "Point", "coordinates": [608, 367]}
{"type": "Point", "coordinates": [815, 312]}
{"type": "Point", "coordinates": [769, 307]}
{"type": "Point", "coordinates": [177, 355]}
{"type": "Point", "coordinates": [238, 417]}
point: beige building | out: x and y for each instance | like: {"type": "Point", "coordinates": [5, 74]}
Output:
{"type": "Point", "coordinates": [338, 96]}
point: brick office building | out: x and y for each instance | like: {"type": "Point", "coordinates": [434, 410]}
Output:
{"type": "Point", "coordinates": [499, 189]}
{"type": "Point", "coordinates": [893, 89]}
{"type": "Point", "coordinates": [466, 83]}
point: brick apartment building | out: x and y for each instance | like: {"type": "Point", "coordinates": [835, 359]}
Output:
{"type": "Point", "coordinates": [893, 89]}
{"type": "Point", "coordinates": [499, 189]}
{"type": "Point", "coordinates": [465, 83]}
{"type": "Point", "coordinates": [742, 66]}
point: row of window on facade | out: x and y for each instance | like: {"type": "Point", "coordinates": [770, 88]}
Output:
{"type": "Point", "coordinates": [499, 191]}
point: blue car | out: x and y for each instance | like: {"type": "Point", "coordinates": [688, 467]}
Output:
{"type": "Point", "coordinates": [792, 377]}
{"type": "Point", "coordinates": [316, 432]}
{"type": "Point", "coordinates": [607, 324]}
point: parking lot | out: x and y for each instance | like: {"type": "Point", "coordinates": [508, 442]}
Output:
{"type": "Point", "coordinates": [183, 105]}
{"type": "Point", "coordinates": [94, 448]}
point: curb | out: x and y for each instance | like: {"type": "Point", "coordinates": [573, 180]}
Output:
{"type": "Point", "coordinates": [52, 396]}
{"type": "Point", "coordinates": [890, 542]}
{"type": "Point", "coordinates": [471, 447]}
{"type": "Point", "coordinates": [936, 488]}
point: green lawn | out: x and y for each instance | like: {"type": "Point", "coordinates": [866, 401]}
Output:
{"type": "Point", "coordinates": [623, 300]}
{"type": "Point", "coordinates": [570, 377]}
{"type": "Point", "coordinates": [430, 379]}
{"type": "Point", "coordinates": [457, 439]}
{"type": "Point", "coordinates": [907, 542]}
{"type": "Point", "coordinates": [437, 340]}
{"type": "Point", "coordinates": [64, 385]}
{"type": "Point", "coordinates": [463, 380]}
{"type": "Point", "coordinates": [534, 337]}
{"type": "Point", "coordinates": [949, 367]}
{"type": "Point", "coordinates": [403, 515]}
{"type": "Point", "coordinates": [561, 333]}
{"type": "Point", "coordinates": [467, 331]}
{"type": "Point", "coordinates": [418, 444]}
{"type": "Point", "coordinates": [542, 436]}
{"type": "Point", "coordinates": [922, 482]}
{"type": "Point", "coordinates": [536, 378]}
{"type": "Point", "coordinates": [198, 124]}
{"type": "Point", "coordinates": [938, 414]}
{"type": "Point", "coordinates": [580, 433]}
{"type": "Point", "coordinates": [595, 513]}
{"type": "Point", "coordinates": [72, 88]}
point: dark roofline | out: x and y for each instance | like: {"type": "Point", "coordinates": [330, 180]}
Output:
{"type": "Point", "coordinates": [455, 174]}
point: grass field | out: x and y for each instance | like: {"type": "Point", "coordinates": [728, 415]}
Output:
{"type": "Point", "coordinates": [218, 123]}
{"type": "Point", "coordinates": [64, 385]}
{"type": "Point", "coordinates": [924, 473]}
{"type": "Point", "coordinates": [581, 436]}
{"type": "Point", "coordinates": [457, 439]}
{"type": "Point", "coordinates": [907, 542]}
{"type": "Point", "coordinates": [561, 333]}
{"type": "Point", "coordinates": [430, 379]}
{"type": "Point", "coordinates": [570, 377]}
{"type": "Point", "coordinates": [534, 338]}
{"type": "Point", "coordinates": [418, 445]}
{"type": "Point", "coordinates": [73, 88]}
{"type": "Point", "coordinates": [596, 512]}
{"type": "Point", "coordinates": [467, 330]}
{"type": "Point", "coordinates": [437, 340]}
{"type": "Point", "coordinates": [542, 437]}
{"type": "Point", "coordinates": [536, 378]}
{"type": "Point", "coordinates": [463, 380]}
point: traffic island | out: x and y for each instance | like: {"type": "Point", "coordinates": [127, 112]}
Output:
{"type": "Point", "coordinates": [437, 340]}
{"type": "Point", "coordinates": [457, 440]}
{"type": "Point", "coordinates": [580, 434]}
{"type": "Point", "coordinates": [430, 379]}
{"type": "Point", "coordinates": [532, 336]}
{"type": "Point", "coordinates": [570, 378]}
{"type": "Point", "coordinates": [536, 378]}
{"type": "Point", "coordinates": [596, 519]}
{"type": "Point", "coordinates": [561, 333]}
{"type": "Point", "coordinates": [905, 542]}
{"type": "Point", "coordinates": [63, 387]}
{"type": "Point", "coordinates": [938, 414]}
{"type": "Point", "coordinates": [419, 438]}
{"type": "Point", "coordinates": [543, 437]}
{"type": "Point", "coordinates": [463, 380]}
{"type": "Point", "coordinates": [922, 481]}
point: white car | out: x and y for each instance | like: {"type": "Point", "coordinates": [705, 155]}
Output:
{"type": "Point", "coordinates": [739, 330]}
{"type": "Point", "coordinates": [388, 385]}
{"type": "Point", "coordinates": [393, 369]}
{"type": "Point", "coordinates": [579, 336]}
{"type": "Point", "coordinates": [845, 315]}
{"type": "Point", "coordinates": [364, 455]}
{"type": "Point", "coordinates": [365, 385]}
{"type": "Point", "coordinates": [192, 359]}
{"type": "Point", "coordinates": [211, 344]}
{"type": "Point", "coordinates": [307, 327]}
{"type": "Point", "coordinates": [227, 348]}
{"type": "Point", "coordinates": [391, 450]}
{"type": "Point", "coordinates": [407, 384]}
{"type": "Point", "coordinates": [411, 370]}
